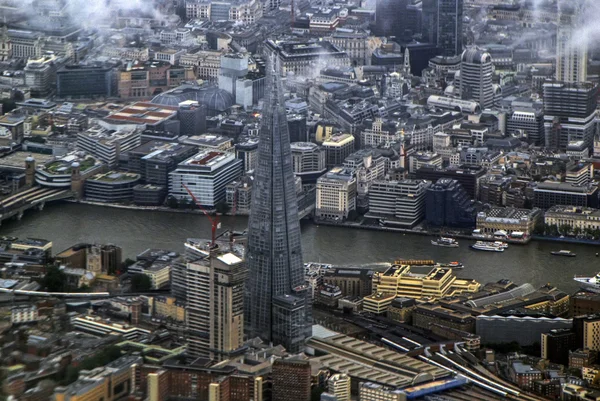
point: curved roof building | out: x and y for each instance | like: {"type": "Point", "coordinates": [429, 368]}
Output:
{"type": "Point", "coordinates": [216, 100]}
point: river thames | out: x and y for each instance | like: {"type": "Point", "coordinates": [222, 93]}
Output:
{"type": "Point", "coordinates": [67, 223]}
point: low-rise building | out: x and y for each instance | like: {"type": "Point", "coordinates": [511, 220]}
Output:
{"type": "Point", "coordinates": [577, 218]}
{"type": "Point", "coordinates": [111, 382]}
{"type": "Point", "coordinates": [111, 187]}
{"type": "Point", "coordinates": [100, 327]}
{"type": "Point", "coordinates": [24, 314]}
{"type": "Point", "coordinates": [509, 220]}
{"type": "Point", "coordinates": [168, 307]}
{"type": "Point", "coordinates": [159, 274]}
{"type": "Point", "coordinates": [524, 375]}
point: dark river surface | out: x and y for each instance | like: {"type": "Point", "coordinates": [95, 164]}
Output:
{"type": "Point", "coordinates": [66, 224]}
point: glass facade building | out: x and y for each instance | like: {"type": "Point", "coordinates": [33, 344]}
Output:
{"type": "Point", "coordinates": [277, 305]}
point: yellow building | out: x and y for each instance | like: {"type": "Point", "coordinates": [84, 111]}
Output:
{"type": "Point", "coordinates": [168, 307]}
{"type": "Point", "coordinates": [439, 282]}
{"type": "Point", "coordinates": [378, 303]}
{"type": "Point", "coordinates": [108, 383]}
{"type": "Point", "coordinates": [591, 334]}
{"type": "Point", "coordinates": [400, 281]}
{"type": "Point", "coordinates": [159, 274]}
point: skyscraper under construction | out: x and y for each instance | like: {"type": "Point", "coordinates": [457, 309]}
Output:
{"type": "Point", "coordinates": [277, 303]}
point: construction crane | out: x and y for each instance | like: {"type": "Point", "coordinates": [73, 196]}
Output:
{"type": "Point", "coordinates": [214, 220]}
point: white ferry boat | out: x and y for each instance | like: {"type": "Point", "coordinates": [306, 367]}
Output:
{"type": "Point", "coordinates": [487, 246]}
{"type": "Point", "coordinates": [445, 242]}
{"type": "Point", "coordinates": [501, 244]}
{"type": "Point", "coordinates": [589, 283]}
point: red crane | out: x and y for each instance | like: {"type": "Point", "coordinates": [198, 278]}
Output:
{"type": "Point", "coordinates": [214, 220]}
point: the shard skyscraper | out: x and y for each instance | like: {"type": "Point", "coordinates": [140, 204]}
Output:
{"type": "Point", "coordinates": [277, 304]}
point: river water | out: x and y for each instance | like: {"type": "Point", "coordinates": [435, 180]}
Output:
{"type": "Point", "coordinates": [67, 223]}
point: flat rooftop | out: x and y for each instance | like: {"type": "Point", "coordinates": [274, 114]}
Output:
{"type": "Point", "coordinates": [144, 113]}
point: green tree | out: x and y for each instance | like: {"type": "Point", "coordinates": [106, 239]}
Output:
{"type": "Point", "coordinates": [576, 231]}
{"type": "Point", "coordinates": [55, 279]}
{"type": "Point", "coordinates": [222, 207]}
{"type": "Point", "coordinates": [564, 229]}
{"type": "Point", "coordinates": [172, 202]}
{"type": "Point", "coordinates": [140, 283]}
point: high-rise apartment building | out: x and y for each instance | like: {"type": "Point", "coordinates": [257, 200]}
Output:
{"type": "Point", "coordinates": [277, 303]}
{"type": "Point", "coordinates": [215, 301]}
{"type": "Point", "coordinates": [476, 71]}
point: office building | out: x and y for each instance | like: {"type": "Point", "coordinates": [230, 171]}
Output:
{"type": "Point", "coordinates": [336, 194]}
{"type": "Point", "coordinates": [154, 160]}
{"type": "Point", "coordinates": [524, 375]}
{"type": "Point", "coordinates": [527, 123]}
{"type": "Point", "coordinates": [247, 152]}
{"type": "Point", "coordinates": [525, 330]}
{"type": "Point", "coordinates": [86, 81]}
{"type": "Point", "coordinates": [571, 55]}
{"type": "Point", "coordinates": [142, 79]}
{"type": "Point", "coordinates": [337, 148]}
{"type": "Point", "coordinates": [206, 174]}
{"type": "Point", "coordinates": [215, 301]}
{"type": "Point", "coordinates": [448, 204]}
{"type": "Point", "coordinates": [376, 392]}
{"type": "Point", "coordinates": [398, 203]}
{"type": "Point", "coordinates": [442, 25]}
{"type": "Point", "coordinates": [106, 144]}
{"type": "Point", "coordinates": [306, 58]}
{"type": "Point", "coordinates": [355, 282]}
{"type": "Point", "coordinates": [569, 111]}
{"type": "Point", "coordinates": [400, 281]}
{"type": "Point", "coordinates": [581, 174]}
{"type": "Point", "coordinates": [468, 177]}
{"type": "Point", "coordinates": [391, 18]}
{"type": "Point", "coordinates": [308, 160]}
{"type": "Point", "coordinates": [509, 220]}
{"type": "Point", "coordinates": [111, 382]}
{"type": "Point", "coordinates": [581, 219]}
{"type": "Point", "coordinates": [338, 385]}
{"type": "Point", "coordinates": [97, 326]}
{"type": "Point", "coordinates": [291, 380]}
{"type": "Point", "coordinates": [40, 76]}
{"type": "Point", "coordinates": [192, 118]}
{"type": "Point", "coordinates": [277, 301]}
{"type": "Point", "coordinates": [111, 187]}
{"type": "Point", "coordinates": [550, 193]}
{"type": "Point", "coordinates": [556, 345]}
{"type": "Point", "coordinates": [476, 71]}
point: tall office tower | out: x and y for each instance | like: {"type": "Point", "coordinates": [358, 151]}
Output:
{"type": "Point", "coordinates": [571, 47]}
{"type": "Point", "coordinates": [277, 304]}
{"type": "Point", "coordinates": [569, 114]}
{"type": "Point", "coordinates": [442, 25]}
{"type": "Point", "coordinates": [476, 77]}
{"type": "Point", "coordinates": [390, 18]}
{"type": "Point", "coordinates": [450, 27]}
{"type": "Point", "coordinates": [215, 300]}
{"type": "Point", "coordinates": [571, 56]}
{"type": "Point", "coordinates": [429, 22]}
